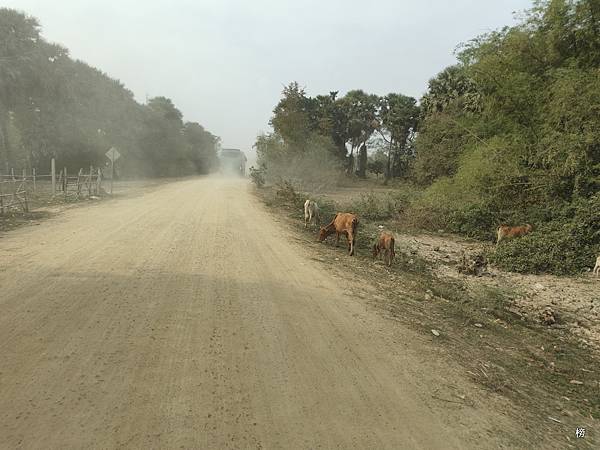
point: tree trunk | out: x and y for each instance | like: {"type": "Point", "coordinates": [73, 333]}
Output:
{"type": "Point", "coordinates": [350, 168]}
{"type": "Point", "coordinates": [388, 171]}
{"type": "Point", "coordinates": [362, 161]}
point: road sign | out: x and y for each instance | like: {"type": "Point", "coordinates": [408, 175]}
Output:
{"type": "Point", "coordinates": [113, 154]}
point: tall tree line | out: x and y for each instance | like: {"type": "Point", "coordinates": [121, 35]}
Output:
{"type": "Point", "coordinates": [343, 125]}
{"type": "Point", "coordinates": [54, 106]}
{"type": "Point", "coordinates": [515, 119]}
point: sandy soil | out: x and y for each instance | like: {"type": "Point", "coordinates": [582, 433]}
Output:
{"type": "Point", "coordinates": [188, 318]}
{"type": "Point", "coordinates": [574, 301]}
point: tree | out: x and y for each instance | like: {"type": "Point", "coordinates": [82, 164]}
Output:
{"type": "Point", "coordinates": [398, 118]}
{"type": "Point", "coordinates": [361, 110]}
{"type": "Point", "coordinates": [377, 162]}
{"type": "Point", "coordinates": [294, 117]}
{"type": "Point", "coordinates": [332, 121]}
{"type": "Point", "coordinates": [201, 147]}
{"type": "Point", "coordinates": [450, 86]}
{"type": "Point", "coordinates": [54, 106]}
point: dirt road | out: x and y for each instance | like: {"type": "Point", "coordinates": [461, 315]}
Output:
{"type": "Point", "coordinates": [185, 318]}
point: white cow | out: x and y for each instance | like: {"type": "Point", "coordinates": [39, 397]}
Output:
{"type": "Point", "coordinates": [311, 212]}
{"type": "Point", "coordinates": [597, 266]}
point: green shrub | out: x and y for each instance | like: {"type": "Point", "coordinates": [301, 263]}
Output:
{"type": "Point", "coordinates": [257, 176]}
{"type": "Point", "coordinates": [373, 206]}
{"type": "Point", "coordinates": [474, 221]}
{"type": "Point", "coordinates": [327, 209]}
{"type": "Point", "coordinates": [287, 193]}
{"type": "Point", "coordinates": [566, 245]}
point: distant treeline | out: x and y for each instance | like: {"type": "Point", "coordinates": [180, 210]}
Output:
{"type": "Point", "coordinates": [510, 134]}
{"type": "Point", "coordinates": [54, 106]}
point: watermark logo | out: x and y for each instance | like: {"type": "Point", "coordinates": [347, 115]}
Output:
{"type": "Point", "coordinates": [580, 433]}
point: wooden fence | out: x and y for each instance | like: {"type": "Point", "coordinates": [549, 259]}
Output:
{"type": "Point", "coordinates": [17, 190]}
{"type": "Point", "coordinates": [13, 196]}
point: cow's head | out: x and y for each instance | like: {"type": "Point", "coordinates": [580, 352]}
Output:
{"type": "Point", "coordinates": [322, 234]}
{"type": "Point", "coordinates": [528, 228]}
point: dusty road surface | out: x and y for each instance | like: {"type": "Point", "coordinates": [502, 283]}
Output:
{"type": "Point", "coordinates": [186, 318]}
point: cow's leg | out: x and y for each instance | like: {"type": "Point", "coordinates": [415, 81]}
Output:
{"type": "Point", "coordinates": [350, 237]}
{"type": "Point", "coordinates": [337, 239]}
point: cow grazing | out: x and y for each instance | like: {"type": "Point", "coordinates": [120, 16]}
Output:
{"type": "Point", "coordinates": [311, 212]}
{"type": "Point", "coordinates": [342, 223]}
{"type": "Point", "coordinates": [385, 245]}
{"type": "Point", "coordinates": [597, 266]}
{"type": "Point", "coordinates": [507, 232]}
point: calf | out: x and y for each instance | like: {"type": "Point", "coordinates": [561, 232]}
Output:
{"type": "Point", "coordinates": [507, 232]}
{"type": "Point", "coordinates": [342, 223]}
{"type": "Point", "coordinates": [597, 266]}
{"type": "Point", "coordinates": [311, 211]}
{"type": "Point", "coordinates": [385, 245]}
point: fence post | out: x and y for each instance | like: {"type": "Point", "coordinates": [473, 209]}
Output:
{"type": "Point", "coordinates": [12, 173]}
{"type": "Point", "coordinates": [33, 179]}
{"type": "Point", "coordinates": [90, 181]}
{"type": "Point", "coordinates": [53, 172]}
{"type": "Point", "coordinates": [79, 177]}
{"type": "Point", "coordinates": [65, 182]}
{"type": "Point", "coordinates": [99, 181]}
{"type": "Point", "coordinates": [1, 198]}
{"type": "Point", "coordinates": [26, 206]}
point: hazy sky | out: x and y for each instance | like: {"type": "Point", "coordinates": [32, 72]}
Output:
{"type": "Point", "coordinates": [224, 63]}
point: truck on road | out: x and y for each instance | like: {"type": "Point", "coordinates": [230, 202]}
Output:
{"type": "Point", "coordinates": [232, 161]}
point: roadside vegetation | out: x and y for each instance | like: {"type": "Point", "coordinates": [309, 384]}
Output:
{"type": "Point", "coordinates": [53, 106]}
{"type": "Point", "coordinates": [547, 371]}
{"type": "Point", "coordinates": [508, 135]}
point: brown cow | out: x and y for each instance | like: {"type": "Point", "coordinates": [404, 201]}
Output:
{"type": "Point", "coordinates": [342, 223]}
{"type": "Point", "coordinates": [507, 232]}
{"type": "Point", "coordinates": [385, 245]}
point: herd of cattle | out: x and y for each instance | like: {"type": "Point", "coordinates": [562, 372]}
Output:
{"type": "Point", "coordinates": [346, 224]}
